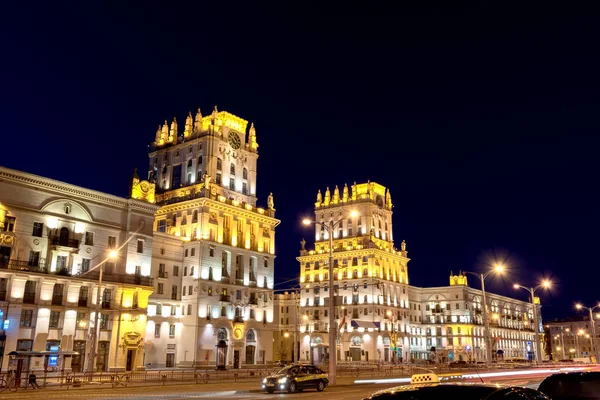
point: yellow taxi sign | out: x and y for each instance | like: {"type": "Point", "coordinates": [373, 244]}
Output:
{"type": "Point", "coordinates": [424, 378]}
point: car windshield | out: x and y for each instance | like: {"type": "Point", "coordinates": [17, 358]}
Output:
{"type": "Point", "coordinates": [285, 369]}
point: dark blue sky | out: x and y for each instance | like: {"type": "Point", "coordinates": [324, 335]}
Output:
{"type": "Point", "coordinates": [482, 122]}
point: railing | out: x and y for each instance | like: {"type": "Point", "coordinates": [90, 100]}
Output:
{"type": "Point", "coordinates": [163, 274]}
{"type": "Point", "coordinates": [225, 297]}
{"type": "Point", "coordinates": [82, 302]}
{"type": "Point", "coordinates": [65, 242]}
{"type": "Point", "coordinates": [119, 278]}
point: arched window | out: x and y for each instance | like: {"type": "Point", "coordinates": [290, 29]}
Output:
{"type": "Point", "coordinates": [326, 276]}
{"type": "Point", "coordinates": [199, 162]}
{"type": "Point", "coordinates": [251, 336]}
{"type": "Point", "coordinates": [355, 273]}
{"type": "Point", "coordinates": [316, 340]}
{"type": "Point", "coordinates": [232, 169]}
{"type": "Point", "coordinates": [355, 341]}
{"type": "Point", "coordinates": [365, 272]}
{"type": "Point", "coordinates": [222, 334]}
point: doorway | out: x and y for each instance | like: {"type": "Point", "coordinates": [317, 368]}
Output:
{"type": "Point", "coordinates": [236, 359]}
{"type": "Point", "coordinates": [77, 361]}
{"type": "Point", "coordinates": [250, 351]}
{"type": "Point", "coordinates": [64, 236]}
{"type": "Point", "coordinates": [130, 360]}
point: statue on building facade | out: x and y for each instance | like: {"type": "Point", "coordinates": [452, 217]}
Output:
{"type": "Point", "coordinates": [270, 202]}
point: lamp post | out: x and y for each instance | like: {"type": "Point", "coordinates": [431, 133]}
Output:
{"type": "Point", "coordinates": [94, 337]}
{"type": "Point", "coordinates": [332, 327]}
{"type": "Point", "coordinates": [594, 337]}
{"type": "Point", "coordinates": [391, 317]}
{"type": "Point", "coordinates": [488, 346]}
{"type": "Point", "coordinates": [545, 284]}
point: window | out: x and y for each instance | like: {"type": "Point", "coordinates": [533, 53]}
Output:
{"type": "Point", "coordinates": [140, 246]}
{"type": "Point", "coordinates": [211, 252]}
{"type": "Point", "coordinates": [26, 318]}
{"type": "Point", "coordinates": [171, 331]}
{"type": "Point", "coordinates": [162, 226]}
{"type": "Point", "coordinates": [232, 169]}
{"type": "Point", "coordinates": [174, 292]}
{"type": "Point", "coordinates": [9, 224]}
{"type": "Point", "coordinates": [244, 188]}
{"type": "Point", "coordinates": [219, 164]}
{"type": "Point", "coordinates": [112, 242]}
{"type": "Point", "coordinates": [157, 330]}
{"type": "Point", "coordinates": [193, 254]}
{"type": "Point", "coordinates": [232, 183]}
{"type": "Point", "coordinates": [159, 309]}
{"type": "Point", "coordinates": [85, 264]}
{"type": "Point", "coordinates": [218, 178]}
{"type": "Point", "coordinates": [192, 270]}
{"type": "Point", "coordinates": [54, 317]}
{"type": "Point", "coordinates": [80, 321]}
{"type": "Point", "coordinates": [189, 309]}
{"type": "Point", "coordinates": [175, 270]}
{"type": "Point", "coordinates": [34, 258]}
{"type": "Point", "coordinates": [184, 271]}
{"type": "Point", "coordinates": [184, 291]}
{"type": "Point", "coordinates": [160, 289]}
{"type": "Point", "coordinates": [245, 173]}
{"type": "Point", "coordinates": [189, 163]}
{"type": "Point", "coordinates": [38, 229]}
{"type": "Point", "coordinates": [190, 290]}
{"type": "Point", "coordinates": [89, 238]}
{"type": "Point", "coordinates": [29, 293]}
{"type": "Point", "coordinates": [266, 262]}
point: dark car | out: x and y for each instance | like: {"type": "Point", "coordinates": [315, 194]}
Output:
{"type": "Point", "coordinates": [294, 378]}
{"type": "Point", "coordinates": [458, 364]}
{"type": "Point", "coordinates": [572, 385]}
{"type": "Point", "coordinates": [427, 387]}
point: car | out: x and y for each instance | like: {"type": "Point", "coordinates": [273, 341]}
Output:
{"type": "Point", "coordinates": [296, 377]}
{"type": "Point", "coordinates": [428, 387]}
{"type": "Point", "coordinates": [572, 385]}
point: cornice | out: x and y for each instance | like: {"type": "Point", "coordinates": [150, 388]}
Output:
{"type": "Point", "coordinates": [67, 189]}
{"type": "Point", "coordinates": [351, 253]}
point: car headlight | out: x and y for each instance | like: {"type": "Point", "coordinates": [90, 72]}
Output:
{"type": "Point", "coordinates": [283, 380]}
{"type": "Point", "coordinates": [265, 380]}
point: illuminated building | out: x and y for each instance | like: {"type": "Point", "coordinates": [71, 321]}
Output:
{"type": "Point", "coordinates": [287, 321]}
{"type": "Point", "coordinates": [370, 275]}
{"type": "Point", "coordinates": [52, 236]}
{"type": "Point", "coordinates": [571, 337]}
{"type": "Point", "coordinates": [214, 249]}
{"type": "Point", "coordinates": [449, 320]}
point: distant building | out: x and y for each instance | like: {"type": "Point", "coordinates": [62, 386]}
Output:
{"type": "Point", "coordinates": [287, 322]}
{"type": "Point", "coordinates": [571, 337]}
{"type": "Point", "coordinates": [371, 279]}
{"type": "Point", "coordinates": [214, 249]}
{"type": "Point", "coordinates": [447, 324]}
{"type": "Point", "coordinates": [52, 237]}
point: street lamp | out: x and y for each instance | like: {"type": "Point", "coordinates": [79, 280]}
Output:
{"type": "Point", "coordinates": [332, 328]}
{"type": "Point", "coordinates": [594, 338]}
{"type": "Point", "coordinates": [111, 256]}
{"type": "Point", "coordinates": [545, 284]}
{"type": "Point", "coordinates": [488, 346]}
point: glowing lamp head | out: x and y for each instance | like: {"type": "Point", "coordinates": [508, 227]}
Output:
{"type": "Point", "coordinates": [499, 268]}
{"type": "Point", "coordinates": [305, 317]}
{"type": "Point", "coordinates": [516, 286]}
{"type": "Point", "coordinates": [578, 306]}
{"type": "Point", "coordinates": [113, 254]}
{"type": "Point", "coordinates": [389, 313]}
{"type": "Point", "coordinates": [287, 334]}
{"type": "Point", "coordinates": [546, 283]}
{"type": "Point", "coordinates": [353, 214]}
{"type": "Point", "coordinates": [581, 331]}
{"type": "Point", "coordinates": [306, 221]}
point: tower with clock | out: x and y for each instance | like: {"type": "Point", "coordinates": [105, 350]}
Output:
{"type": "Point", "coordinates": [213, 257]}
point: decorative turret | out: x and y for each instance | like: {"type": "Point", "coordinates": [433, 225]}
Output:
{"type": "Point", "coordinates": [158, 140]}
{"type": "Point", "coordinates": [319, 199]}
{"type": "Point", "coordinates": [336, 195]}
{"type": "Point", "coordinates": [327, 197]}
{"type": "Point", "coordinates": [388, 199]}
{"type": "Point", "coordinates": [252, 137]}
{"type": "Point", "coordinates": [214, 115]}
{"type": "Point", "coordinates": [165, 132]}
{"type": "Point", "coordinates": [189, 126]}
{"type": "Point", "coordinates": [198, 122]}
{"type": "Point", "coordinates": [458, 280]}
{"type": "Point", "coordinates": [173, 131]}
{"type": "Point", "coordinates": [141, 190]}
{"type": "Point", "coordinates": [345, 193]}
{"type": "Point", "coordinates": [354, 191]}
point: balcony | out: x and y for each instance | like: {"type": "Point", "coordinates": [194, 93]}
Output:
{"type": "Point", "coordinates": [163, 274]}
{"type": "Point", "coordinates": [63, 242]}
{"type": "Point", "coordinates": [57, 300]}
{"type": "Point", "coordinates": [82, 303]}
{"type": "Point", "coordinates": [23, 265]}
{"type": "Point", "coordinates": [118, 278]}
{"type": "Point", "coordinates": [29, 298]}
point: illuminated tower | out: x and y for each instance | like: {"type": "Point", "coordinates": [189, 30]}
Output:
{"type": "Point", "coordinates": [214, 247]}
{"type": "Point", "coordinates": [370, 275]}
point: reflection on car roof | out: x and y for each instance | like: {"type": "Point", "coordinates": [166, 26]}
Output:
{"type": "Point", "coordinates": [450, 389]}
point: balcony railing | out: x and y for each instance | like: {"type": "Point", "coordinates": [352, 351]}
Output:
{"type": "Point", "coordinates": [163, 274]}
{"type": "Point", "coordinates": [82, 303]}
{"type": "Point", "coordinates": [225, 298]}
{"type": "Point", "coordinates": [118, 278]}
{"type": "Point", "coordinates": [65, 242]}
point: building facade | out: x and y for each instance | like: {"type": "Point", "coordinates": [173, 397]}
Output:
{"type": "Point", "coordinates": [447, 324]}
{"type": "Point", "coordinates": [572, 337]}
{"type": "Point", "coordinates": [53, 235]}
{"type": "Point", "coordinates": [370, 275]}
{"type": "Point", "coordinates": [214, 249]}
{"type": "Point", "coordinates": [286, 316]}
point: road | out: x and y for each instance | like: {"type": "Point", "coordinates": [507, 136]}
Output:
{"type": "Point", "coordinates": [346, 390]}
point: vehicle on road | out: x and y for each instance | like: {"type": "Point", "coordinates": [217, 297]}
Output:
{"type": "Point", "coordinates": [458, 364]}
{"type": "Point", "coordinates": [572, 385]}
{"type": "Point", "coordinates": [428, 387]}
{"type": "Point", "coordinates": [295, 378]}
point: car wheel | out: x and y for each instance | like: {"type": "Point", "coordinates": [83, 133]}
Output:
{"type": "Point", "coordinates": [320, 386]}
{"type": "Point", "coordinates": [292, 387]}
{"type": "Point", "coordinates": [270, 390]}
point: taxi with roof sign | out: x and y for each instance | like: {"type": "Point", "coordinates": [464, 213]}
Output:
{"type": "Point", "coordinates": [429, 387]}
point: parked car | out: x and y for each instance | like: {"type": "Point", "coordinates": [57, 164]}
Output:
{"type": "Point", "coordinates": [295, 378]}
{"type": "Point", "coordinates": [428, 387]}
{"type": "Point", "coordinates": [458, 364]}
{"type": "Point", "coordinates": [572, 385]}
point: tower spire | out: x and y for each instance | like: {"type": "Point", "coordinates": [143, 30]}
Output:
{"type": "Point", "coordinates": [345, 193]}
{"type": "Point", "coordinates": [165, 132]}
{"type": "Point", "coordinates": [327, 196]}
{"type": "Point", "coordinates": [189, 126]}
{"type": "Point", "coordinates": [252, 137]}
{"type": "Point", "coordinates": [198, 122]}
{"type": "Point", "coordinates": [336, 195]}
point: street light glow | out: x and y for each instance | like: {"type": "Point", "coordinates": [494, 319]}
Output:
{"type": "Point", "coordinates": [353, 214]}
{"type": "Point", "coordinates": [306, 221]}
{"type": "Point", "coordinates": [499, 268]}
{"type": "Point", "coordinates": [516, 286]}
{"type": "Point", "coordinates": [113, 254]}
{"type": "Point", "coordinates": [546, 283]}
{"type": "Point", "coordinates": [578, 306]}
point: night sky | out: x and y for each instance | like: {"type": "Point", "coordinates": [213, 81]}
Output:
{"type": "Point", "coordinates": [482, 121]}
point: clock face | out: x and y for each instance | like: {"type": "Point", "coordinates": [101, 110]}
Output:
{"type": "Point", "coordinates": [234, 140]}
